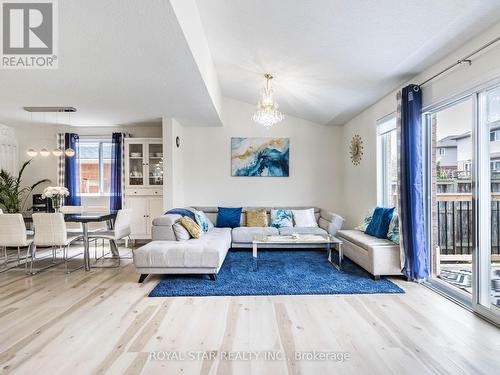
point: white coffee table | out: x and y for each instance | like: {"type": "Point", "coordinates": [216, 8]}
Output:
{"type": "Point", "coordinates": [303, 239]}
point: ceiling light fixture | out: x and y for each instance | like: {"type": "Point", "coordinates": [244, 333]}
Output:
{"type": "Point", "coordinates": [32, 153]}
{"type": "Point", "coordinates": [50, 109]}
{"type": "Point", "coordinates": [57, 152]}
{"type": "Point", "coordinates": [267, 113]}
{"type": "Point", "coordinates": [69, 152]}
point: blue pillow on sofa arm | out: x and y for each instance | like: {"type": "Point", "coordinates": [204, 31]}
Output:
{"type": "Point", "coordinates": [381, 219]}
{"type": "Point", "coordinates": [228, 217]}
{"type": "Point", "coordinates": [182, 212]}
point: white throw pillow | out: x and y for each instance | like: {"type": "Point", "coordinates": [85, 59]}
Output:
{"type": "Point", "coordinates": [305, 218]}
{"type": "Point", "coordinates": [181, 233]}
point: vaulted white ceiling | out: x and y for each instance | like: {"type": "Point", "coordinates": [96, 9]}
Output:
{"type": "Point", "coordinates": [130, 61]}
{"type": "Point", "coordinates": [333, 58]}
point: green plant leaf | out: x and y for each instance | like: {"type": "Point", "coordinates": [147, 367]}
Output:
{"type": "Point", "coordinates": [11, 194]}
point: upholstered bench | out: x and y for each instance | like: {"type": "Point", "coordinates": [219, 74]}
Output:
{"type": "Point", "coordinates": [196, 256]}
{"type": "Point", "coordinates": [376, 255]}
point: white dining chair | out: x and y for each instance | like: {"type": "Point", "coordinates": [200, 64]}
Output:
{"type": "Point", "coordinates": [121, 230]}
{"type": "Point", "coordinates": [73, 228]}
{"type": "Point", "coordinates": [97, 210]}
{"type": "Point", "coordinates": [13, 234]}
{"type": "Point", "coordinates": [51, 231]}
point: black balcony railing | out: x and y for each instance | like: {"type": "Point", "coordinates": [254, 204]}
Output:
{"type": "Point", "coordinates": [454, 224]}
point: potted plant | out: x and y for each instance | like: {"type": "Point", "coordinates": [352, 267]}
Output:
{"type": "Point", "coordinates": [57, 195]}
{"type": "Point", "coordinates": [12, 196]}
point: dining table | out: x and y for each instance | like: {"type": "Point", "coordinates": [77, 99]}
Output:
{"type": "Point", "coordinates": [84, 219]}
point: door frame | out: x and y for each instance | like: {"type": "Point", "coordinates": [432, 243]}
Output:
{"type": "Point", "coordinates": [461, 297]}
{"type": "Point", "coordinates": [480, 186]}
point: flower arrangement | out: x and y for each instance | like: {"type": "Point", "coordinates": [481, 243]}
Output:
{"type": "Point", "coordinates": [56, 194]}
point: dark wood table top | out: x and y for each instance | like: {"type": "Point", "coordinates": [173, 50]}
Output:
{"type": "Point", "coordinates": [84, 217]}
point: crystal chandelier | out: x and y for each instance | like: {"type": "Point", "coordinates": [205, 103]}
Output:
{"type": "Point", "coordinates": [267, 113]}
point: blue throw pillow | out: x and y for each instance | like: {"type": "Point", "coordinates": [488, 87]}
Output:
{"type": "Point", "coordinates": [182, 212]}
{"type": "Point", "coordinates": [228, 217]}
{"type": "Point", "coordinates": [379, 226]}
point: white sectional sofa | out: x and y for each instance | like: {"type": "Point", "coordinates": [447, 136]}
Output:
{"type": "Point", "coordinates": [165, 255]}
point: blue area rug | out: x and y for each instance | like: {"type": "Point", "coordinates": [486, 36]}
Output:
{"type": "Point", "coordinates": [279, 273]}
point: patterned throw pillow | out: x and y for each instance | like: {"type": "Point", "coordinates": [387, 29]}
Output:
{"type": "Point", "coordinates": [393, 233]}
{"type": "Point", "coordinates": [191, 226]}
{"type": "Point", "coordinates": [256, 218]}
{"type": "Point", "coordinates": [202, 220]}
{"type": "Point", "coordinates": [281, 218]}
{"type": "Point", "coordinates": [366, 221]}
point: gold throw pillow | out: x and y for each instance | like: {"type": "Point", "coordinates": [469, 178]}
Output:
{"type": "Point", "coordinates": [191, 226]}
{"type": "Point", "coordinates": [256, 218]}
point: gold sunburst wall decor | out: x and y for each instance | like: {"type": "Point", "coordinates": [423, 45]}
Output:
{"type": "Point", "coordinates": [356, 149]}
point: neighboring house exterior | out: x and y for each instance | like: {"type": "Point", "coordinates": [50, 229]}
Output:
{"type": "Point", "coordinates": [454, 154]}
{"type": "Point", "coordinates": [447, 153]}
{"type": "Point", "coordinates": [464, 150]}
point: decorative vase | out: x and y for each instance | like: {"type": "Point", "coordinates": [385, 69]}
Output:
{"type": "Point", "coordinates": [57, 203]}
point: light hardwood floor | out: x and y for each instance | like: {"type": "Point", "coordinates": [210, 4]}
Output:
{"type": "Point", "coordinates": [103, 322]}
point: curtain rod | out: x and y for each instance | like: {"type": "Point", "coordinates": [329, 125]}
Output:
{"type": "Point", "coordinates": [466, 59]}
{"type": "Point", "coordinates": [103, 135]}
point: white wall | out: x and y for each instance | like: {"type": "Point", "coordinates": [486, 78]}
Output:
{"type": "Point", "coordinates": [8, 149]}
{"type": "Point", "coordinates": [315, 167]}
{"type": "Point", "coordinates": [45, 136]}
{"type": "Point", "coordinates": [360, 182]}
{"type": "Point", "coordinates": [177, 181]}
{"type": "Point", "coordinates": [173, 193]}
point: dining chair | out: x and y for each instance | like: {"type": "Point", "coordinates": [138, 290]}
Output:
{"type": "Point", "coordinates": [121, 230]}
{"type": "Point", "coordinates": [73, 227]}
{"type": "Point", "coordinates": [98, 226]}
{"type": "Point", "coordinates": [13, 234]}
{"type": "Point", "coordinates": [97, 210]}
{"type": "Point", "coordinates": [51, 231]}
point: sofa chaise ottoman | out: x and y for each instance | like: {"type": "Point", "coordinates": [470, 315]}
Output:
{"type": "Point", "coordinates": [378, 256]}
{"type": "Point", "coordinates": [196, 256]}
{"type": "Point", "coordinates": [165, 255]}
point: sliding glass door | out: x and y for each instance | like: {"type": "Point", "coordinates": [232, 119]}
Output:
{"type": "Point", "coordinates": [488, 203]}
{"type": "Point", "coordinates": [463, 174]}
{"type": "Point", "coordinates": [450, 184]}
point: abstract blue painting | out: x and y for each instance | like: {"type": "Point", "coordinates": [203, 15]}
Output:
{"type": "Point", "coordinates": [260, 157]}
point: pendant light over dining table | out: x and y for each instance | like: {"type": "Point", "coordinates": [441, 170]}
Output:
{"type": "Point", "coordinates": [57, 152]}
{"type": "Point", "coordinates": [268, 113]}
